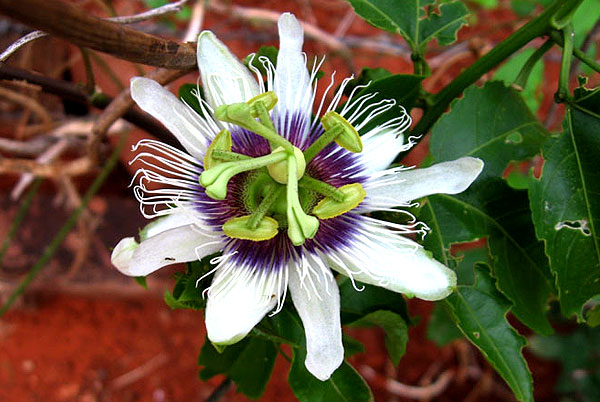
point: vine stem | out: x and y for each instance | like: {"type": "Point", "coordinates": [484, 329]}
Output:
{"type": "Point", "coordinates": [66, 228]}
{"type": "Point", "coordinates": [539, 26]}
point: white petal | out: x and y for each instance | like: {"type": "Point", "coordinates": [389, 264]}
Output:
{"type": "Point", "coordinates": [321, 319]}
{"type": "Point", "coordinates": [380, 150]}
{"type": "Point", "coordinates": [396, 187]}
{"type": "Point", "coordinates": [237, 300]}
{"type": "Point", "coordinates": [180, 244]}
{"type": "Point", "coordinates": [225, 80]}
{"type": "Point", "coordinates": [292, 80]}
{"type": "Point", "coordinates": [176, 218]}
{"type": "Point", "coordinates": [171, 112]}
{"type": "Point", "coordinates": [380, 257]}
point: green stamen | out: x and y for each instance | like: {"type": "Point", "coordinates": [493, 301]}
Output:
{"type": "Point", "coordinates": [226, 156]}
{"type": "Point", "coordinates": [222, 142]}
{"type": "Point", "coordinates": [241, 115]}
{"type": "Point", "coordinates": [273, 193]}
{"type": "Point", "coordinates": [300, 225]}
{"type": "Point", "coordinates": [337, 129]}
{"type": "Point", "coordinates": [329, 208]}
{"type": "Point", "coordinates": [321, 187]}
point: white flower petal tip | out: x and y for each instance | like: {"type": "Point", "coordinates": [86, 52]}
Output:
{"type": "Point", "coordinates": [224, 78]}
{"type": "Point", "coordinates": [123, 253]}
{"type": "Point", "coordinates": [317, 299]}
{"type": "Point", "coordinates": [237, 300]}
{"type": "Point", "coordinates": [461, 173]}
{"type": "Point", "coordinates": [180, 120]}
{"type": "Point", "coordinates": [291, 34]}
{"type": "Point", "coordinates": [171, 246]}
{"type": "Point", "coordinates": [395, 187]}
{"type": "Point", "coordinates": [425, 278]}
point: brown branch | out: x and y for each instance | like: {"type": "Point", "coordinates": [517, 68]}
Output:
{"type": "Point", "coordinates": [78, 27]}
{"type": "Point", "coordinates": [73, 92]}
{"type": "Point", "coordinates": [120, 105]}
{"type": "Point", "coordinates": [75, 167]}
{"type": "Point", "coordinates": [28, 103]}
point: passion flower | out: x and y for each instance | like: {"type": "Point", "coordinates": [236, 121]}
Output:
{"type": "Point", "coordinates": [282, 195]}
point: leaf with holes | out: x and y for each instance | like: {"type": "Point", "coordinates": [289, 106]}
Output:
{"type": "Point", "coordinates": [565, 204]}
{"type": "Point", "coordinates": [493, 210]}
{"type": "Point", "coordinates": [416, 20]}
{"type": "Point", "coordinates": [492, 123]}
{"type": "Point", "coordinates": [480, 313]}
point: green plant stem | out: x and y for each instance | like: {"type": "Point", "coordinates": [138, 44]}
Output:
{"type": "Point", "coordinates": [90, 82]}
{"type": "Point", "coordinates": [565, 64]}
{"type": "Point", "coordinates": [540, 25]}
{"type": "Point", "coordinates": [66, 228]}
{"type": "Point", "coordinates": [521, 80]}
{"type": "Point", "coordinates": [558, 39]}
{"type": "Point", "coordinates": [21, 213]}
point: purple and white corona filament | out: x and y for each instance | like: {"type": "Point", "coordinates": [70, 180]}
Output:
{"type": "Point", "coordinates": [284, 196]}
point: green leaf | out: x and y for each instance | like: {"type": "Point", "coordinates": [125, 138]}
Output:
{"type": "Point", "coordinates": [492, 123]}
{"type": "Point", "coordinates": [396, 331]}
{"type": "Point", "coordinates": [141, 280]}
{"type": "Point", "coordinates": [345, 384]}
{"type": "Point", "coordinates": [187, 292]}
{"type": "Point", "coordinates": [480, 313]}
{"type": "Point", "coordinates": [411, 20]}
{"type": "Point", "coordinates": [356, 304]}
{"type": "Point", "coordinates": [578, 354]}
{"type": "Point", "coordinates": [248, 363]}
{"type": "Point", "coordinates": [493, 210]}
{"type": "Point", "coordinates": [441, 328]}
{"type": "Point", "coordinates": [351, 346]}
{"type": "Point", "coordinates": [565, 204]}
{"type": "Point", "coordinates": [509, 71]}
{"type": "Point", "coordinates": [189, 94]}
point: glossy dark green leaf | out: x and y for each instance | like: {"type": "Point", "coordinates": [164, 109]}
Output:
{"type": "Point", "coordinates": [492, 123]}
{"type": "Point", "coordinates": [248, 363]}
{"type": "Point", "coordinates": [415, 20]}
{"type": "Point", "coordinates": [355, 304]}
{"type": "Point", "coordinates": [480, 313]}
{"type": "Point", "coordinates": [395, 328]}
{"type": "Point", "coordinates": [565, 204]}
{"type": "Point", "coordinates": [345, 384]}
{"type": "Point", "coordinates": [493, 210]}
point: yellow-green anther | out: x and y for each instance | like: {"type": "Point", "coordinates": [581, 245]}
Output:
{"type": "Point", "coordinates": [349, 138]}
{"type": "Point", "coordinates": [329, 208]}
{"type": "Point", "coordinates": [300, 225]}
{"type": "Point", "coordinates": [260, 106]}
{"type": "Point", "coordinates": [215, 180]}
{"type": "Point", "coordinates": [268, 100]}
{"type": "Point", "coordinates": [222, 142]}
{"type": "Point", "coordinates": [337, 129]}
{"type": "Point", "coordinates": [238, 228]}
{"type": "Point", "coordinates": [279, 171]}
{"type": "Point", "coordinates": [241, 114]}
